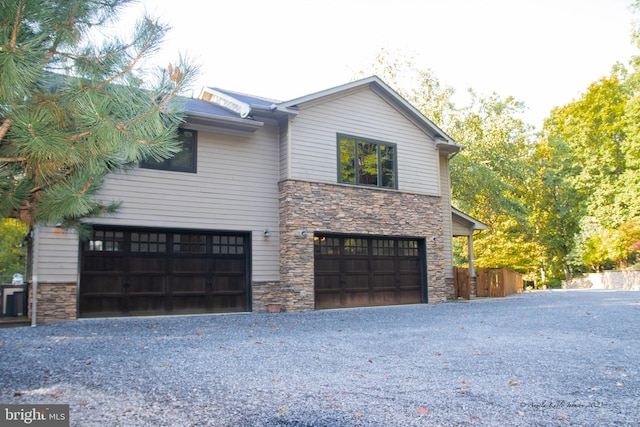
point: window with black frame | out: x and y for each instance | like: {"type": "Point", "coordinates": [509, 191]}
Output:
{"type": "Point", "coordinates": [184, 161]}
{"type": "Point", "coordinates": [366, 162]}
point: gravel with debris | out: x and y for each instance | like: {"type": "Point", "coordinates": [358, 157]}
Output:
{"type": "Point", "coordinates": [537, 358]}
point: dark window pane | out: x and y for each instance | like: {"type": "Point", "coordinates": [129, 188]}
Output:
{"type": "Point", "coordinates": [348, 160]}
{"type": "Point", "coordinates": [184, 161]}
{"type": "Point", "coordinates": [355, 247]}
{"type": "Point", "coordinates": [383, 247]}
{"type": "Point", "coordinates": [387, 165]}
{"type": "Point", "coordinates": [367, 163]}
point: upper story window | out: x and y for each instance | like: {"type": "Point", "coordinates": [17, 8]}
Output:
{"type": "Point", "coordinates": [366, 162]}
{"type": "Point", "coordinates": [184, 161]}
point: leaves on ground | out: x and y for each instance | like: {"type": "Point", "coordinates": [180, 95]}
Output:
{"type": "Point", "coordinates": [514, 383]}
{"type": "Point", "coordinates": [422, 410]}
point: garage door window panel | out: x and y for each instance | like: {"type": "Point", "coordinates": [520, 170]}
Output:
{"type": "Point", "coordinates": [149, 242]}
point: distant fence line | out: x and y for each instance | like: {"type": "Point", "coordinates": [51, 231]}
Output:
{"type": "Point", "coordinates": [615, 280]}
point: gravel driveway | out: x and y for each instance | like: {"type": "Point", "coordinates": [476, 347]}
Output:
{"type": "Point", "coordinates": [540, 358]}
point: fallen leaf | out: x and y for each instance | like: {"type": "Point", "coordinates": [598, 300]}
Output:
{"type": "Point", "coordinates": [514, 383]}
{"type": "Point", "coordinates": [55, 395]}
{"type": "Point", "coordinates": [620, 384]}
{"type": "Point", "coordinates": [17, 394]}
{"type": "Point", "coordinates": [438, 353]}
{"type": "Point", "coordinates": [282, 411]}
{"type": "Point", "coordinates": [370, 361]}
{"type": "Point", "coordinates": [563, 416]}
{"type": "Point", "coordinates": [84, 403]}
{"type": "Point", "coordinates": [357, 416]}
{"type": "Point", "coordinates": [475, 417]}
{"type": "Point", "coordinates": [275, 380]}
{"type": "Point", "coordinates": [422, 410]}
{"type": "Point", "coordinates": [165, 365]}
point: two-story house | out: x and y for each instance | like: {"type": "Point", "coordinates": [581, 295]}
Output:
{"type": "Point", "coordinates": [336, 199]}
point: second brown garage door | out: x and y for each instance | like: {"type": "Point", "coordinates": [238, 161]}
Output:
{"type": "Point", "coordinates": [357, 271]}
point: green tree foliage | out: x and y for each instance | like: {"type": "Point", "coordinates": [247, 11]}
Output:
{"type": "Point", "coordinates": [73, 111]}
{"type": "Point", "coordinates": [490, 178]}
{"type": "Point", "coordinates": [556, 206]}
{"type": "Point", "coordinates": [599, 133]}
{"type": "Point", "coordinates": [12, 249]}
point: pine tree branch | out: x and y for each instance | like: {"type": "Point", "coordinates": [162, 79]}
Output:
{"type": "Point", "coordinates": [48, 184]}
{"type": "Point", "coordinates": [4, 128]}
{"type": "Point", "coordinates": [132, 64]}
{"type": "Point", "coordinates": [16, 26]}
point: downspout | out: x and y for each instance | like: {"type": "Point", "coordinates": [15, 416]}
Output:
{"type": "Point", "coordinates": [34, 278]}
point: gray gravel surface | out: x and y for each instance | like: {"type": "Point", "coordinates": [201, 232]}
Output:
{"type": "Point", "coordinates": [541, 358]}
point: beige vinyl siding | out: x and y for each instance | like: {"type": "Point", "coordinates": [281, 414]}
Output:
{"type": "Point", "coordinates": [285, 164]}
{"type": "Point", "coordinates": [365, 114]}
{"type": "Point", "coordinates": [57, 255]}
{"type": "Point", "coordinates": [235, 188]}
{"type": "Point", "coordinates": [460, 229]}
{"type": "Point", "coordinates": [447, 222]}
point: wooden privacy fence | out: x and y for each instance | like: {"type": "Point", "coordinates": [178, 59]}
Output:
{"type": "Point", "coordinates": [497, 282]}
{"type": "Point", "coordinates": [490, 282]}
{"type": "Point", "coordinates": [462, 283]}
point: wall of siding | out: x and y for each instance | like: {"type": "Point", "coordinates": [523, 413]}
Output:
{"type": "Point", "coordinates": [235, 188]}
{"type": "Point", "coordinates": [57, 255]}
{"type": "Point", "coordinates": [365, 114]}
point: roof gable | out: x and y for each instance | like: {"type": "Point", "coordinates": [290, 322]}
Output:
{"type": "Point", "coordinates": [445, 142]}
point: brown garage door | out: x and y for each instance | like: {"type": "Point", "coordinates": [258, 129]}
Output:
{"type": "Point", "coordinates": [356, 271]}
{"type": "Point", "coordinates": [144, 272]}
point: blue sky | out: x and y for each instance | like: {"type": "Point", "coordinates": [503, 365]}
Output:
{"type": "Point", "coordinates": [542, 52]}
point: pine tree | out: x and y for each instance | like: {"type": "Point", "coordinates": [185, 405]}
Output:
{"type": "Point", "coordinates": [73, 110]}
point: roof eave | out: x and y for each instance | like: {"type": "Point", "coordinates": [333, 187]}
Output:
{"type": "Point", "coordinates": [476, 224]}
{"type": "Point", "coordinates": [229, 123]}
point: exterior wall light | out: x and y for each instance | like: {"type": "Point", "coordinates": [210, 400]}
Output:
{"type": "Point", "coordinates": [267, 233]}
{"type": "Point", "coordinates": [304, 233]}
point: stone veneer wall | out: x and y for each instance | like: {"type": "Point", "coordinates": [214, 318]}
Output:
{"type": "Point", "coordinates": [264, 293]}
{"type": "Point", "coordinates": [55, 302]}
{"type": "Point", "coordinates": [331, 208]}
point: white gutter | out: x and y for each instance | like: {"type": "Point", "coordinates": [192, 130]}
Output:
{"type": "Point", "coordinates": [34, 277]}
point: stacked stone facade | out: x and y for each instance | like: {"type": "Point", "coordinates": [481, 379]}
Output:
{"type": "Point", "coordinates": [334, 208]}
{"type": "Point", "coordinates": [56, 302]}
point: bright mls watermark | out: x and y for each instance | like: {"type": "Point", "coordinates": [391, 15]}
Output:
{"type": "Point", "coordinates": [34, 415]}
